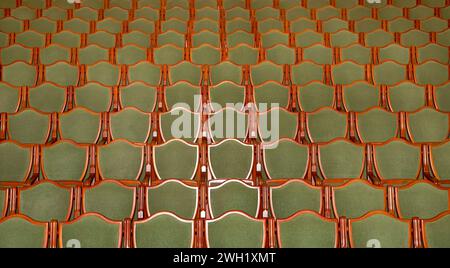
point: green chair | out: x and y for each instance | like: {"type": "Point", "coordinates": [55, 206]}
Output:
{"type": "Point", "coordinates": [16, 162]}
{"type": "Point", "coordinates": [226, 71]}
{"type": "Point", "coordinates": [62, 73]}
{"type": "Point", "coordinates": [228, 123]}
{"type": "Point", "coordinates": [177, 3]}
{"type": "Point", "coordinates": [307, 230]}
{"type": "Point", "coordinates": [389, 73]}
{"type": "Point", "coordinates": [10, 98]}
{"type": "Point", "coordinates": [265, 12]}
{"type": "Point", "coordinates": [341, 39]}
{"type": "Point", "coordinates": [314, 96]}
{"type": "Point", "coordinates": [86, 13]}
{"type": "Point", "coordinates": [271, 94]}
{"type": "Point", "coordinates": [145, 72]}
{"type": "Point", "coordinates": [175, 25]}
{"type": "Point", "coordinates": [23, 13]}
{"type": "Point", "coordinates": [334, 25]}
{"type": "Point", "coordinates": [286, 159]}
{"type": "Point", "coordinates": [28, 74]}
{"type": "Point", "coordinates": [243, 54]}
{"type": "Point", "coordinates": [390, 12]}
{"type": "Point", "coordinates": [235, 230]}
{"type": "Point", "coordinates": [306, 72]}
{"type": "Point", "coordinates": [173, 196]}
{"type": "Point", "coordinates": [347, 72]}
{"type": "Point", "coordinates": [274, 37]}
{"type": "Point", "coordinates": [277, 123]}
{"type": "Point", "coordinates": [116, 13]}
{"type": "Point", "coordinates": [379, 229]}
{"type": "Point", "coordinates": [138, 95]}
{"type": "Point", "coordinates": [360, 96]}
{"type": "Point", "coordinates": [171, 38]}
{"type": "Point", "coordinates": [435, 231]}
{"type": "Point", "coordinates": [186, 155]}
{"type": "Point", "coordinates": [150, 3]}
{"type": "Point", "coordinates": [357, 53]}
{"type": "Point", "coordinates": [379, 38]}
{"type": "Point", "coordinates": [442, 97]}
{"type": "Point", "coordinates": [101, 38]}
{"type": "Point", "coordinates": [47, 98]}
{"type": "Point", "coordinates": [19, 231]}
{"type": "Point", "coordinates": [269, 25]}
{"type": "Point", "coordinates": [367, 25]}
{"type": "Point", "coordinates": [207, 12]}
{"type": "Point", "coordinates": [237, 12]}
{"type": "Point", "coordinates": [80, 125]}
{"type": "Point", "coordinates": [356, 198]}
{"type": "Point", "coordinates": [281, 54]}
{"type": "Point", "coordinates": [428, 125]}
{"type": "Point", "coordinates": [64, 161]}
{"type": "Point", "coordinates": [440, 155]}
{"type": "Point", "coordinates": [327, 13]}
{"type": "Point", "coordinates": [400, 25]}
{"type": "Point", "coordinates": [15, 53]}
{"type": "Point", "coordinates": [130, 124]}
{"type": "Point", "coordinates": [443, 38]}
{"type": "Point", "coordinates": [11, 25]}
{"type": "Point", "coordinates": [136, 38]}
{"type": "Point", "coordinates": [239, 37]}
{"type": "Point", "coordinates": [266, 71]}
{"type": "Point", "coordinates": [341, 160]}
{"type": "Point", "coordinates": [29, 127]}
{"type": "Point", "coordinates": [43, 25]}
{"type": "Point", "coordinates": [238, 24]}
{"type": "Point", "coordinates": [53, 54]}
{"type": "Point", "coordinates": [318, 54]}
{"type": "Point", "coordinates": [163, 230]}
{"type": "Point", "coordinates": [420, 12]}
{"type": "Point", "coordinates": [205, 37]}
{"type": "Point", "coordinates": [431, 73]}
{"type": "Point", "coordinates": [77, 25]}
{"type": "Point", "coordinates": [168, 54]}
{"type": "Point", "coordinates": [104, 73]}
{"type": "Point", "coordinates": [187, 72]}
{"type": "Point", "coordinates": [432, 52]}
{"type": "Point", "coordinates": [326, 124]}
{"type": "Point", "coordinates": [111, 199]}
{"type": "Point", "coordinates": [177, 13]}
{"type": "Point", "coordinates": [297, 12]}
{"type": "Point", "coordinates": [317, 3]}
{"type": "Point", "coordinates": [414, 38]}
{"type": "Point", "coordinates": [94, 4]}
{"type": "Point", "coordinates": [206, 24]}
{"type": "Point", "coordinates": [293, 196]}
{"type": "Point", "coordinates": [225, 94]}
{"type": "Point", "coordinates": [66, 39]}
{"type": "Point", "coordinates": [46, 201]}
{"type": "Point", "coordinates": [93, 96]}
{"type": "Point", "coordinates": [302, 24]}
{"type": "Point", "coordinates": [144, 25]}
{"type": "Point", "coordinates": [206, 54]}
{"type": "Point", "coordinates": [183, 94]}
{"type": "Point", "coordinates": [421, 199]}
{"type": "Point", "coordinates": [173, 125]}
{"type": "Point", "coordinates": [406, 97]}
{"type": "Point", "coordinates": [257, 4]}
{"type": "Point", "coordinates": [230, 153]}
{"type": "Point", "coordinates": [120, 160]}
{"type": "Point", "coordinates": [397, 160]}
{"type": "Point", "coordinates": [147, 13]}
{"type": "Point", "coordinates": [396, 53]}
{"type": "Point", "coordinates": [433, 24]}
{"type": "Point", "coordinates": [90, 230]}
{"type": "Point", "coordinates": [131, 54]}
{"type": "Point", "coordinates": [28, 39]}
{"type": "Point", "coordinates": [376, 125]}
{"type": "Point", "coordinates": [289, 4]}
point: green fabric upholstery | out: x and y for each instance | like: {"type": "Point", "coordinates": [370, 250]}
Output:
{"type": "Point", "coordinates": [53, 54]}
{"type": "Point", "coordinates": [294, 196]}
{"type": "Point", "coordinates": [183, 95]}
{"type": "Point", "coordinates": [272, 38]}
{"type": "Point", "coordinates": [277, 124]}
{"type": "Point", "coordinates": [139, 95]}
{"type": "Point", "coordinates": [29, 127]}
{"type": "Point", "coordinates": [226, 71]}
{"type": "Point", "coordinates": [94, 97]}
{"type": "Point", "coordinates": [357, 53]}
{"type": "Point", "coordinates": [174, 197]}
{"type": "Point", "coordinates": [45, 202]}
{"type": "Point", "coordinates": [379, 38]}
{"type": "Point", "coordinates": [389, 73]}
{"type": "Point", "coordinates": [440, 157]}
{"type": "Point", "coordinates": [68, 39]}
{"type": "Point", "coordinates": [168, 55]}
{"type": "Point", "coordinates": [347, 73]}
{"type": "Point", "coordinates": [120, 160]}
{"type": "Point", "coordinates": [185, 155]}
{"type": "Point", "coordinates": [206, 54]}
{"type": "Point", "coordinates": [14, 53]}
{"type": "Point", "coordinates": [307, 231]}
{"type": "Point", "coordinates": [271, 94]}
{"type": "Point", "coordinates": [90, 231]}
{"type": "Point", "coordinates": [185, 71]}
{"type": "Point", "coordinates": [397, 160]}
{"type": "Point", "coordinates": [206, 37]}
{"type": "Point", "coordinates": [233, 195]}
{"type": "Point", "coordinates": [442, 97]}
{"type": "Point", "coordinates": [428, 125]}
{"type": "Point", "coordinates": [343, 38]}
{"type": "Point", "coordinates": [9, 98]}
{"type": "Point", "coordinates": [143, 25]}
{"type": "Point", "coordinates": [396, 53]}
{"type": "Point", "coordinates": [422, 200]}
{"type": "Point", "coordinates": [64, 161]}
{"type": "Point", "coordinates": [47, 98]}
{"type": "Point", "coordinates": [228, 123]}
{"type": "Point", "coordinates": [171, 38]}
{"type": "Point", "coordinates": [104, 73]}
{"type": "Point", "coordinates": [432, 73]}
{"type": "Point", "coordinates": [240, 37]}
{"type": "Point", "coordinates": [357, 198]}
{"type": "Point", "coordinates": [15, 162]}
{"type": "Point", "coordinates": [243, 54]}
{"type": "Point", "coordinates": [326, 124]}
{"type": "Point", "coordinates": [235, 231]}
{"type": "Point", "coordinates": [112, 200]}
{"type": "Point", "coordinates": [173, 125]}
{"type": "Point", "coordinates": [314, 96]}
{"type": "Point", "coordinates": [388, 231]}
{"type": "Point", "coordinates": [109, 25]}
{"type": "Point", "coordinates": [145, 72]}
{"type": "Point", "coordinates": [306, 72]}
{"type": "Point", "coordinates": [103, 39]}
{"type": "Point", "coordinates": [92, 54]}
{"type": "Point", "coordinates": [227, 93]}
{"type": "Point", "coordinates": [80, 125]}
{"type": "Point", "coordinates": [163, 231]}
{"type": "Point", "coordinates": [28, 74]}
{"type": "Point", "coordinates": [376, 125]}
{"type": "Point", "coordinates": [62, 73]}
{"type": "Point", "coordinates": [136, 38]}
{"type": "Point", "coordinates": [436, 233]}
{"type": "Point", "coordinates": [286, 159]}
{"type": "Point", "coordinates": [266, 71]}
{"type": "Point", "coordinates": [360, 97]}
{"type": "Point", "coordinates": [130, 124]}
{"type": "Point", "coordinates": [281, 54]}
{"type": "Point", "coordinates": [17, 232]}
{"type": "Point", "coordinates": [406, 97]}
{"type": "Point", "coordinates": [341, 159]}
